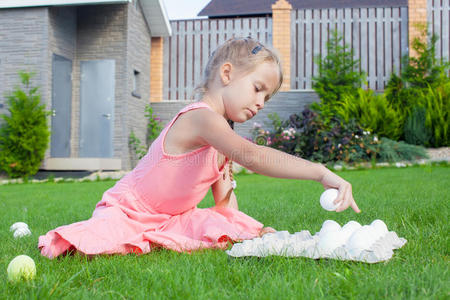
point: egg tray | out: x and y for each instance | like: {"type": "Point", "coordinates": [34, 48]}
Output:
{"type": "Point", "coordinates": [303, 244]}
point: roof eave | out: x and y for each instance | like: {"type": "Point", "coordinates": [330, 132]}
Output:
{"type": "Point", "coordinates": [157, 18]}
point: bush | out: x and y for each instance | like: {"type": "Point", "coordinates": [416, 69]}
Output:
{"type": "Point", "coordinates": [25, 135]}
{"type": "Point", "coordinates": [424, 83]}
{"type": "Point", "coordinates": [337, 76]}
{"type": "Point", "coordinates": [415, 130]}
{"type": "Point", "coordinates": [436, 102]}
{"type": "Point", "coordinates": [153, 130]}
{"type": "Point", "coordinates": [392, 151]}
{"type": "Point", "coordinates": [307, 136]}
{"type": "Point", "coordinates": [372, 112]}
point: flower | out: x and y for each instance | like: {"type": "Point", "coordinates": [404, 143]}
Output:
{"type": "Point", "coordinates": [375, 139]}
{"type": "Point", "coordinates": [256, 125]}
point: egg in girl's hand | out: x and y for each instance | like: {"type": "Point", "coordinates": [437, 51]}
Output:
{"type": "Point", "coordinates": [22, 267]}
{"type": "Point", "coordinates": [327, 198]}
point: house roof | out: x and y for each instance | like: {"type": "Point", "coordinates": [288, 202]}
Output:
{"type": "Point", "coordinates": [229, 8]}
{"type": "Point", "coordinates": [154, 10]}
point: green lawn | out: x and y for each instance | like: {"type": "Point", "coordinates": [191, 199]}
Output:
{"type": "Point", "coordinates": [414, 202]}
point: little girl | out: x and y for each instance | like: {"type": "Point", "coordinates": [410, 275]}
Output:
{"type": "Point", "coordinates": [155, 205]}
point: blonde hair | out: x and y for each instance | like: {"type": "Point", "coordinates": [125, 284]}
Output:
{"type": "Point", "coordinates": [245, 54]}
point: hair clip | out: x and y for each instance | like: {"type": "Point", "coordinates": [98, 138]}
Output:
{"type": "Point", "coordinates": [256, 49]}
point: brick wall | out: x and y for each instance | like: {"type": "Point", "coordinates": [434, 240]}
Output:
{"type": "Point", "coordinates": [417, 14]}
{"type": "Point", "coordinates": [283, 103]}
{"type": "Point", "coordinates": [281, 18]}
{"type": "Point", "coordinates": [23, 46]}
{"type": "Point", "coordinates": [138, 58]}
{"type": "Point", "coordinates": [156, 70]}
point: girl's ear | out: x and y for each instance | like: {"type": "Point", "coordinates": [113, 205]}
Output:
{"type": "Point", "coordinates": [225, 73]}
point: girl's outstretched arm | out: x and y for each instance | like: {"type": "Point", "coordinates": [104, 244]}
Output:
{"type": "Point", "coordinates": [213, 129]}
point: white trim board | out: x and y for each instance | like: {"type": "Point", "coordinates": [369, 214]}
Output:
{"type": "Point", "coordinates": [30, 3]}
{"type": "Point", "coordinates": [154, 10]}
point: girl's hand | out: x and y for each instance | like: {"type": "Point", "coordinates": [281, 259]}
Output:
{"type": "Point", "coordinates": [345, 196]}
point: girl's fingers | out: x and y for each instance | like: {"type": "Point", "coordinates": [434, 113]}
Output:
{"type": "Point", "coordinates": [355, 207]}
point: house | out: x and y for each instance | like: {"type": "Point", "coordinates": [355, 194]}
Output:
{"type": "Point", "coordinates": [92, 64]}
{"type": "Point", "coordinates": [257, 8]}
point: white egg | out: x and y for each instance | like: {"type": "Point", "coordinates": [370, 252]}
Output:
{"type": "Point", "coordinates": [269, 237]}
{"type": "Point", "coordinates": [329, 225]}
{"type": "Point", "coordinates": [327, 198]}
{"type": "Point", "coordinates": [380, 226]}
{"type": "Point", "coordinates": [18, 225]}
{"type": "Point", "coordinates": [348, 229]}
{"type": "Point", "coordinates": [362, 238]}
{"type": "Point", "coordinates": [329, 242]}
{"type": "Point", "coordinates": [283, 235]}
{"type": "Point", "coordinates": [20, 232]}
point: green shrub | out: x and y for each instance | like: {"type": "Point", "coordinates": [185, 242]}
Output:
{"type": "Point", "coordinates": [135, 146]}
{"type": "Point", "coordinates": [338, 76]}
{"type": "Point", "coordinates": [423, 83]}
{"type": "Point", "coordinates": [306, 135]}
{"type": "Point", "coordinates": [153, 130]}
{"type": "Point", "coordinates": [153, 126]}
{"type": "Point", "coordinates": [25, 135]}
{"type": "Point", "coordinates": [392, 151]}
{"type": "Point", "coordinates": [372, 112]}
{"type": "Point", "coordinates": [436, 102]}
{"type": "Point", "coordinates": [416, 132]}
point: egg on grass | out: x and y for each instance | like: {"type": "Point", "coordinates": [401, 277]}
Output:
{"type": "Point", "coordinates": [18, 225]}
{"type": "Point", "coordinates": [22, 267]}
{"type": "Point", "coordinates": [21, 232]}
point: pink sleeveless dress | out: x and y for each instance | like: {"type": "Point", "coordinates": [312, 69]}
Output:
{"type": "Point", "coordinates": [155, 205]}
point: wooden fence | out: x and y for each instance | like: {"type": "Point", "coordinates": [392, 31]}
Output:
{"type": "Point", "coordinates": [438, 19]}
{"type": "Point", "coordinates": [186, 52]}
{"type": "Point", "coordinates": [378, 37]}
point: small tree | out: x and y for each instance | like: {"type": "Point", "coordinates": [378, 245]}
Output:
{"type": "Point", "coordinates": [338, 73]}
{"type": "Point", "coordinates": [338, 76]}
{"type": "Point", "coordinates": [25, 135]}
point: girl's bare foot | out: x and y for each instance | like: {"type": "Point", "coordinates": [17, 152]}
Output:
{"type": "Point", "coordinates": [266, 230]}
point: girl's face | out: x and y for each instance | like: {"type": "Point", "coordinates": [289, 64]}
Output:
{"type": "Point", "coordinates": [245, 94]}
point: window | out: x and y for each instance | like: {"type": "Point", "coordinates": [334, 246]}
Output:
{"type": "Point", "coordinates": [136, 84]}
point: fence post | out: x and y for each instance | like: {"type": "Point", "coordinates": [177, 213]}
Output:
{"type": "Point", "coordinates": [156, 69]}
{"type": "Point", "coordinates": [417, 16]}
{"type": "Point", "coordinates": [281, 38]}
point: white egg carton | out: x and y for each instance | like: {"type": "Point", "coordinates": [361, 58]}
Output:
{"type": "Point", "coordinates": [303, 244]}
